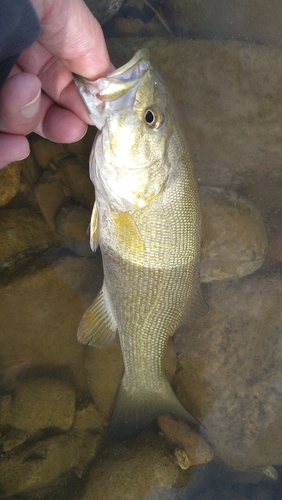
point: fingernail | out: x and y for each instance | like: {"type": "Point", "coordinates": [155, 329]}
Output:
{"type": "Point", "coordinates": [30, 109]}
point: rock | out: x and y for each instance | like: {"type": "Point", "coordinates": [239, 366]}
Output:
{"type": "Point", "coordinates": [104, 10]}
{"type": "Point", "coordinates": [40, 312]}
{"type": "Point", "coordinates": [9, 183]}
{"type": "Point", "coordinates": [23, 233]}
{"type": "Point", "coordinates": [228, 494]}
{"type": "Point", "coordinates": [40, 403]}
{"type": "Point", "coordinates": [234, 236]}
{"type": "Point", "coordinates": [252, 23]}
{"type": "Point", "coordinates": [185, 439]}
{"type": "Point", "coordinates": [105, 369]}
{"type": "Point", "coordinates": [43, 462]}
{"type": "Point", "coordinates": [72, 226]}
{"type": "Point", "coordinates": [229, 371]}
{"type": "Point", "coordinates": [74, 172]}
{"type": "Point", "coordinates": [50, 195]}
{"type": "Point", "coordinates": [12, 438]}
{"type": "Point", "coordinates": [127, 471]}
{"type": "Point", "coordinates": [88, 419]}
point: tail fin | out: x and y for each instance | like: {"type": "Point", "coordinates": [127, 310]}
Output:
{"type": "Point", "coordinates": [136, 410]}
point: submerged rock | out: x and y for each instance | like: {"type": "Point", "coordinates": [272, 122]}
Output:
{"type": "Point", "coordinates": [40, 403]}
{"type": "Point", "coordinates": [43, 462]}
{"type": "Point", "coordinates": [23, 232]}
{"type": "Point", "coordinates": [129, 470]}
{"type": "Point", "coordinates": [72, 224]}
{"type": "Point", "coordinates": [234, 236]}
{"type": "Point", "coordinates": [229, 371]}
{"type": "Point", "coordinates": [9, 183]}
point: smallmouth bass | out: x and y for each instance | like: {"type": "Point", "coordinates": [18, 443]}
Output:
{"type": "Point", "coordinates": [146, 219]}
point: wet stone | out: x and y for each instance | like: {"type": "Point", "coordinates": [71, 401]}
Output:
{"type": "Point", "coordinates": [9, 183]}
{"type": "Point", "coordinates": [40, 403]}
{"type": "Point", "coordinates": [72, 226]}
{"type": "Point", "coordinates": [43, 462]}
{"type": "Point", "coordinates": [234, 235]}
{"type": "Point", "coordinates": [229, 370]}
{"type": "Point", "coordinates": [23, 232]}
{"type": "Point", "coordinates": [130, 469]}
{"type": "Point", "coordinates": [104, 10]}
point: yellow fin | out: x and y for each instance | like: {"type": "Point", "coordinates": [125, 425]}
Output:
{"type": "Point", "coordinates": [126, 232]}
{"type": "Point", "coordinates": [98, 326]}
{"type": "Point", "coordinates": [94, 229]}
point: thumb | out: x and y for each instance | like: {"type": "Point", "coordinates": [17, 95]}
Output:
{"type": "Point", "coordinates": [20, 97]}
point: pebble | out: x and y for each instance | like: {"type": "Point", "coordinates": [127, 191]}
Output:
{"type": "Point", "coordinates": [40, 403]}
{"type": "Point", "coordinates": [72, 226]}
{"type": "Point", "coordinates": [9, 183]}
{"type": "Point", "coordinates": [186, 439]}
{"type": "Point", "coordinates": [23, 233]}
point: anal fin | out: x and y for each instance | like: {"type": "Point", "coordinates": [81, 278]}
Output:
{"type": "Point", "coordinates": [97, 326]}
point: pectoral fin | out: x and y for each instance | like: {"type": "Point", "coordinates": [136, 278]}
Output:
{"type": "Point", "coordinates": [127, 232]}
{"type": "Point", "coordinates": [98, 326]}
{"type": "Point", "coordinates": [94, 229]}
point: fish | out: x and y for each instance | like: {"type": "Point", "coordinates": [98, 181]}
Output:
{"type": "Point", "coordinates": [146, 220]}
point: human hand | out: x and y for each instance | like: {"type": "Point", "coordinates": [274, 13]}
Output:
{"type": "Point", "coordinates": [39, 94]}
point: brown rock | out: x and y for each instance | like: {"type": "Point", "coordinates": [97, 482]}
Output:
{"type": "Point", "coordinates": [23, 232]}
{"type": "Point", "coordinates": [185, 438]}
{"type": "Point", "coordinates": [40, 403]}
{"type": "Point", "coordinates": [72, 224]}
{"type": "Point", "coordinates": [234, 236]}
{"type": "Point", "coordinates": [127, 471]}
{"type": "Point", "coordinates": [9, 182]}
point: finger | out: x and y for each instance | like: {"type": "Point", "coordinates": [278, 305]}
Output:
{"type": "Point", "coordinates": [20, 104]}
{"type": "Point", "coordinates": [70, 32]}
{"type": "Point", "coordinates": [13, 148]}
{"type": "Point", "coordinates": [59, 124]}
{"type": "Point", "coordinates": [57, 80]}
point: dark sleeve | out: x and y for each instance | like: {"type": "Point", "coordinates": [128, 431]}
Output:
{"type": "Point", "coordinates": [19, 28]}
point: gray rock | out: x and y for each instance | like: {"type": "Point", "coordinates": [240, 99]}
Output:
{"type": "Point", "coordinates": [104, 10]}
{"type": "Point", "coordinates": [234, 236]}
{"type": "Point", "coordinates": [43, 462]}
{"type": "Point", "coordinates": [230, 372]}
{"type": "Point", "coordinates": [40, 403]}
{"type": "Point", "coordinates": [23, 233]}
{"type": "Point", "coordinates": [72, 226]}
{"type": "Point", "coordinates": [129, 470]}
{"type": "Point", "coordinates": [9, 182]}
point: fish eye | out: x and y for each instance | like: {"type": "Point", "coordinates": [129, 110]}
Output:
{"type": "Point", "coordinates": [153, 117]}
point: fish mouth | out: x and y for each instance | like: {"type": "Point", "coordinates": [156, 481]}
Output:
{"type": "Point", "coordinates": [114, 90]}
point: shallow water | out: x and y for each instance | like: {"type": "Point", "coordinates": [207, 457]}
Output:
{"type": "Point", "coordinates": [56, 394]}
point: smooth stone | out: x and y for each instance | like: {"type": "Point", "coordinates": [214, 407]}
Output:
{"type": "Point", "coordinates": [41, 463]}
{"type": "Point", "coordinates": [50, 196]}
{"type": "Point", "coordinates": [229, 370]}
{"type": "Point", "coordinates": [23, 233]}
{"type": "Point", "coordinates": [72, 226]}
{"type": "Point", "coordinates": [234, 235]}
{"type": "Point", "coordinates": [40, 403]}
{"type": "Point", "coordinates": [88, 419]}
{"type": "Point", "coordinates": [128, 470]}
{"type": "Point", "coordinates": [186, 439]}
{"type": "Point", "coordinates": [40, 312]}
{"type": "Point", "coordinates": [9, 183]}
{"type": "Point", "coordinates": [74, 171]}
